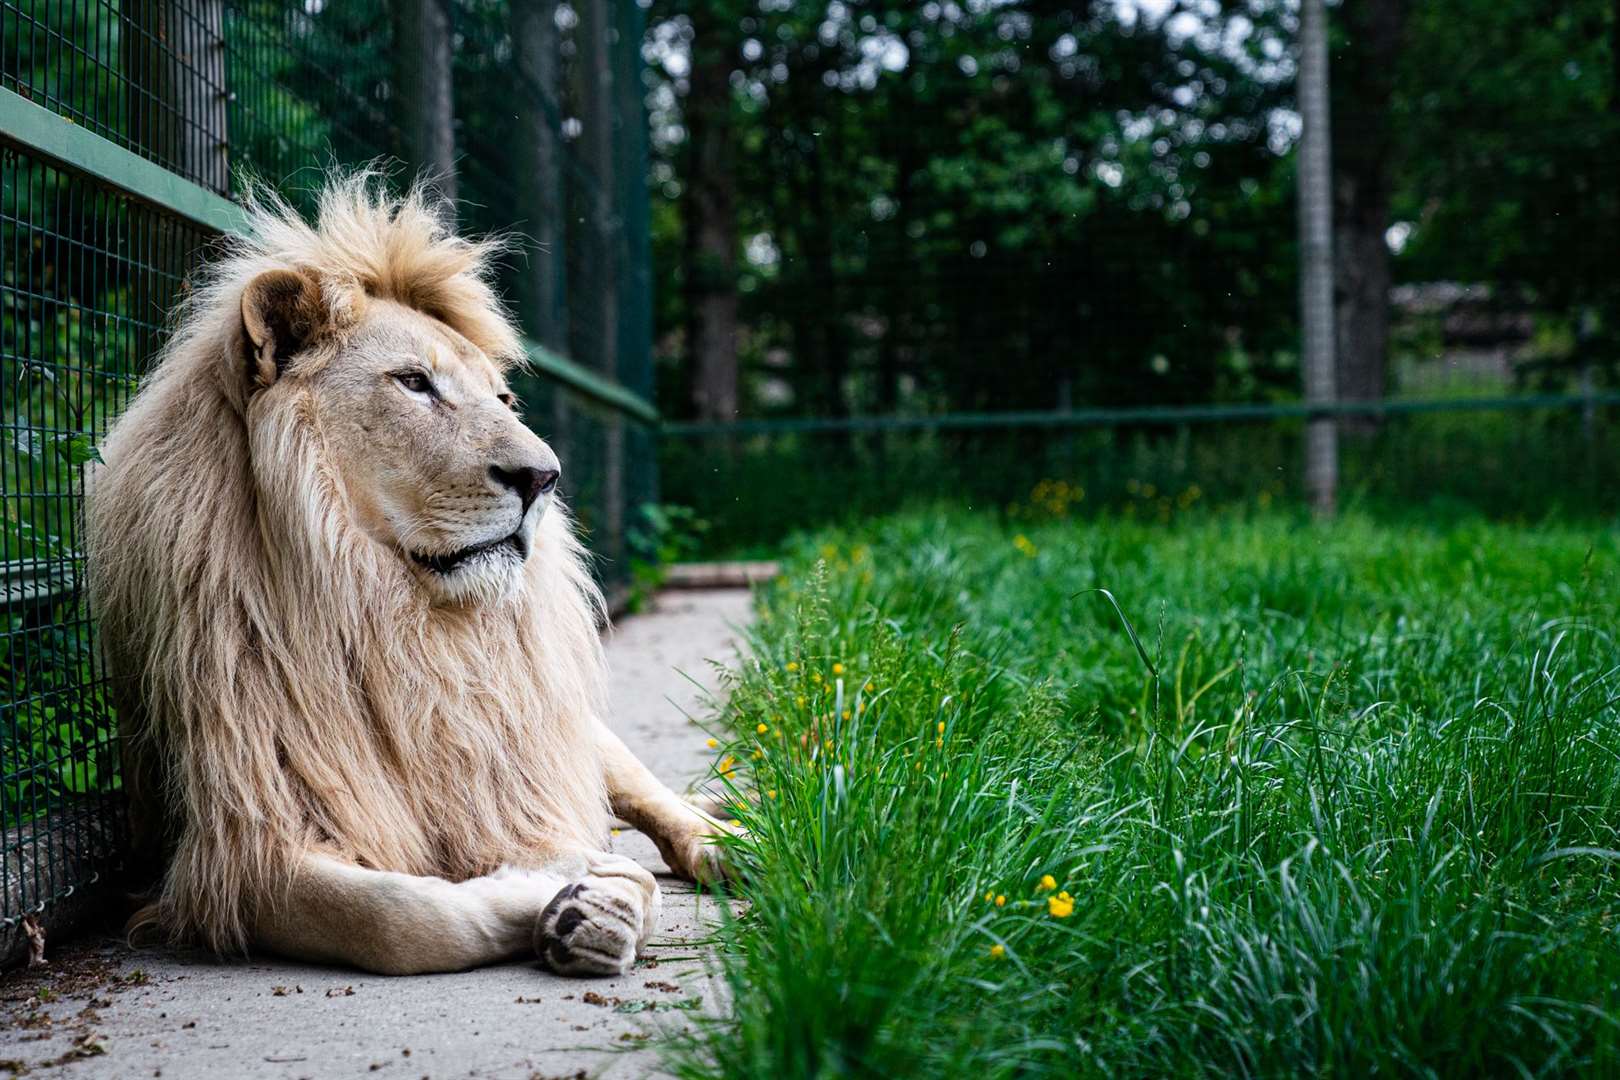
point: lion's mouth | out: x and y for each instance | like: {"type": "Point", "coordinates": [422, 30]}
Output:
{"type": "Point", "coordinates": [514, 546]}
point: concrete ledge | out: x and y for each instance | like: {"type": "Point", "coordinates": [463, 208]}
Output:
{"type": "Point", "coordinates": [720, 575]}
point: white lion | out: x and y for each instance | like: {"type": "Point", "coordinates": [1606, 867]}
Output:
{"type": "Point", "coordinates": [351, 628]}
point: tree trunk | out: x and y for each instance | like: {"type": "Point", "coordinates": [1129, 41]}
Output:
{"type": "Point", "coordinates": [1314, 171]}
{"type": "Point", "coordinates": [176, 59]}
{"type": "Point", "coordinates": [534, 35]}
{"type": "Point", "coordinates": [176, 113]}
{"type": "Point", "coordinates": [202, 60]}
{"type": "Point", "coordinates": [1363, 153]}
{"type": "Point", "coordinates": [711, 220]}
{"type": "Point", "coordinates": [422, 69]}
{"type": "Point", "coordinates": [144, 41]}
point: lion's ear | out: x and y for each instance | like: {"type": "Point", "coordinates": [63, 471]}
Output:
{"type": "Point", "coordinates": [282, 312]}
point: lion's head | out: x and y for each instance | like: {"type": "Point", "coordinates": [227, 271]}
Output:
{"type": "Point", "coordinates": [341, 602]}
{"type": "Point", "coordinates": [419, 426]}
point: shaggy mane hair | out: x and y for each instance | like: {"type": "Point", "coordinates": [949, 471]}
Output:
{"type": "Point", "coordinates": [283, 685]}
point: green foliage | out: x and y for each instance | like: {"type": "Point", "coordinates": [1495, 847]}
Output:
{"type": "Point", "coordinates": [985, 201]}
{"type": "Point", "coordinates": [1009, 205]}
{"type": "Point", "coordinates": [666, 535]}
{"type": "Point", "coordinates": [1510, 148]}
{"type": "Point", "coordinates": [58, 724]}
{"type": "Point", "coordinates": [1359, 822]}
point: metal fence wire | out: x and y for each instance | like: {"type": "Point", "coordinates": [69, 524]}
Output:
{"type": "Point", "coordinates": [124, 127]}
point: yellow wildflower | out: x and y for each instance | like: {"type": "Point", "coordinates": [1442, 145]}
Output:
{"type": "Point", "coordinates": [799, 701]}
{"type": "Point", "coordinates": [868, 686]}
{"type": "Point", "coordinates": [771, 794]}
{"type": "Point", "coordinates": [1060, 906]}
{"type": "Point", "coordinates": [1047, 883]}
{"type": "Point", "coordinates": [712, 743]}
{"type": "Point", "coordinates": [793, 665]}
{"type": "Point", "coordinates": [1025, 545]}
{"type": "Point", "coordinates": [1001, 900]}
{"type": "Point", "coordinates": [762, 728]}
{"type": "Point", "coordinates": [816, 677]}
{"type": "Point", "coordinates": [860, 706]}
{"type": "Point", "coordinates": [997, 951]}
{"type": "Point", "coordinates": [939, 743]}
{"type": "Point", "coordinates": [838, 669]}
{"type": "Point", "coordinates": [735, 824]}
{"type": "Point", "coordinates": [990, 897]}
{"type": "Point", "coordinates": [940, 727]}
{"type": "Point", "coordinates": [846, 714]}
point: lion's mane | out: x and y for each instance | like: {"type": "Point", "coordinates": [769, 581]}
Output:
{"type": "Point", "coordinates": [282, 685]}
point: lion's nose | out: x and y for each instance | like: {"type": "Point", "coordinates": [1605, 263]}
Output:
{"type": "Point", "coordinates": [529, 482]}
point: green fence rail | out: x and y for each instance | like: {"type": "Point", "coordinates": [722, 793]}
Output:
{"type": "Point", "coordinates": [1122, 417]}
{"type": "Point", "coordinates": [127, 129]}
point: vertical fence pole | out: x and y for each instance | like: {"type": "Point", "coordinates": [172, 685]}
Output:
{"type": "Point", "coordinates": [422, 69]}
{"type": "Point", "coordinates": [545, 191]}
{"type": "Point", "coordinates": [635, 227]}
{"type": "Point", "coordinates": [634, 217]}
{"type": "Point", "coordinates": [596, 149]}
{"type": "Point", "coordinates": [540, 173]}
{"type": "Point", "coordinates": [605, 247]}
{"type": "Point", "coordinates": [1316, 259]}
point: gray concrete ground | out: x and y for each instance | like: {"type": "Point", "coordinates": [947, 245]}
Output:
{"type": "Point", "coordinates": [103, 1010]}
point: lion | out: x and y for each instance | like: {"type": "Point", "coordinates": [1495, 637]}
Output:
{"type": "Point", "coordinates": [352, 632]}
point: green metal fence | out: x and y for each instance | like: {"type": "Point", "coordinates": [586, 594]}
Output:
{"type": "Point", "coordinates": [1525, 457]}
{"type": "Point", "coordinates": [126, 128]}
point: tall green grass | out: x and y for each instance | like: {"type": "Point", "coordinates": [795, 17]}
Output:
{"type": "Point", "coordinates": [1359, 816]}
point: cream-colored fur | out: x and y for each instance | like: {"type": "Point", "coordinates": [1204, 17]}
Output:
{"type": "Point", "coordinates": [338, 748]}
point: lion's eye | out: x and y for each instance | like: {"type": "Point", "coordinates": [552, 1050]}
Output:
{"type": "Point", "coordinates": [415, 381]}
{"type": "Point", "coordinates": [511, 402]}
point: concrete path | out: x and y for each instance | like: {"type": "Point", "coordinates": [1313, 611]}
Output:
{"type": "Point", "coordinates": [102, 1010]}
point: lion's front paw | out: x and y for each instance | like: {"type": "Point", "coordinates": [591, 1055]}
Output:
{"type": "Point", "coordinates": [596, 925]}
{"type": "Point", "coordinates": [698, 854]}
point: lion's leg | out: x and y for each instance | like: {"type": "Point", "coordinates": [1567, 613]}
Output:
{"type": "Point", "coordinates": [585, 914]}
{"type": "Point", "coordinates": [684, 833]}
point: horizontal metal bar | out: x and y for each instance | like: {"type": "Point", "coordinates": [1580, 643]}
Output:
{"type": "Point", "coordinates": [44, 134]}
{"type": "Point", "coordinates": [1166, 415]}
{"type": "Point", "coordinates": [587, 382]}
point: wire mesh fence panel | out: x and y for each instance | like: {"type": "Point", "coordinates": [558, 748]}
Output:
{"type": "Point", "coordinates": [147, 75]}
{"type": "Point", "coordinates": [756, 484]}
{"type": "Point", "coordinates": [87, 279]}
{"type": "Point", "coordinates": [219, 94]}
